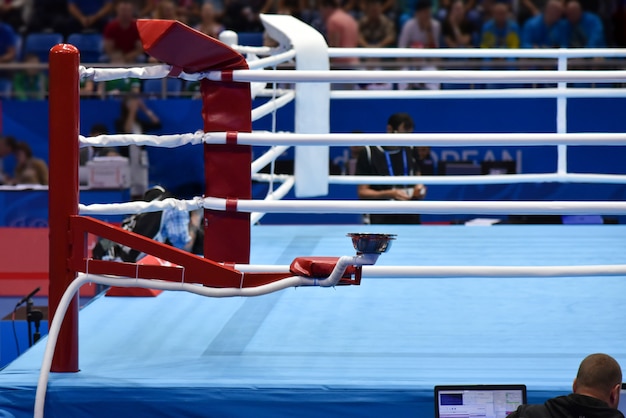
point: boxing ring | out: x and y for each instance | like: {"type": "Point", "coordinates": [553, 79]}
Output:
{"type": "Point", "coordinates": [451, 305]}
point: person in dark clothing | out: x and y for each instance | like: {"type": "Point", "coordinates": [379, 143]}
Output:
{"type": "Point", "coordinates": [596, 391]}
{"type": "Point", "coordinates": [391, 161]}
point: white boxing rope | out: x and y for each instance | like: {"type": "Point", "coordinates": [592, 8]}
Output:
{"type": "Point", "coordinates": [272, 60]}
{"type": "Point", "coordinates": [365, 206]}
{"type": "Point", "coordinates": [547, 93]}
{"type": "Point", "coordinates": [81, 279]}
{"type": "Point", "coordinates": [433, 139]}
{"type": "Point", "coordinates": [273, 92]}
{"type": "Point", "coordinates": [424, 76]}
{"type": "Point", "coordinates": [362, 76]}
{"type": "Point", "coordinates": [272, 105]}
{"type": "Point", "coordinates": [394, 272]}
{"type": "Point", "coordinates": [266, 158]}
{"type": "Point", "coordinates": [423, 207]}
{"type": "Point", "coordinates": [459, 180]}
{"type": "Point", "coordinates": [277, 194]}
{"type": "Point", "coordinates": [44, 374]}
{"type": "Point", "coordinates": [547, 53]}
{"type": "Point", "coordinates": [295, 139]}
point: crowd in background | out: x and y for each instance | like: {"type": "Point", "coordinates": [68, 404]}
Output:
{"type": "Point", "coordinates": [446, 23]}
{"type": "Point", "coordinates": [344, 23]}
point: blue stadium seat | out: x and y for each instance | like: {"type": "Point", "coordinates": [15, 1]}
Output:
{"type": "Point", "coordinates": [89, 45]}
{"type": "Point", "coordinates": [6, 85]}
{"type": "Point", "coordinates": [40, 44]}
{"type": "Point", "coordinates": [154, 87]}
{"type": "Point", "coordinates": [19, 47]}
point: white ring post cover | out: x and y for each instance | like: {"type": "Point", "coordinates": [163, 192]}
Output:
{"type": "Point", "coordinates": [312, 111]}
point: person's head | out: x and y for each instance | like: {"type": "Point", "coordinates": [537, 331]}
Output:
{"type": "Point", "coordinates": [553, 12]}
{"type": "Point", "coordinates": [166, 9]}
{"type": "Point", "coordinates": [125, 11]}
{"type": "Point", "coordinates": [98, 129]}
{"type": "Point", "coordinates": [500, 13]}
{"type": "Point", "coordinates": [456, 12]}
{"type": "Point", "coordinates": [373, 9]}
{"type": "Point", "coordinates": [400, 123]}
{"type": "Point", "coordinates": [7, 145]}
{"type": "Point", "coordinates": [23, 152]}
{"type": "Point", "coordinates": [423, 11]}
{"type": "Point", "coordinates": [155, 193]}
{"type": "Point", "coordinates": [207, 12]}
{"type": "Point", "coordinates": [327, 7]}
{"type": "Point", "coordinates": [32, 59]}
{"type": "Point", "coordinates": [573, 11]}
{"type": "Point", "coordinates": [599, 376]}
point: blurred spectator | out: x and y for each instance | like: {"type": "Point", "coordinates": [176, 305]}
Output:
{"type": "Point", "coordinates": [618, 22]}
{"type": "Point", "coordinates": [529, 8]}
{"type": "Point", "coordinates": [29, 169]}
{"type": "Point", "coordinates": [188, 11]}
{"type": "Point", "coordinates": [88, 15]}
{"type": "Point", "coordinates": [11, 12]}
{"type": "Point", "coordinates": [208, 22]}
{"type": "Point", "coordinates": [342, 31]}
{"type": "Point", "coordinates": [145, 8]}
{"type": "Point", "coordinates": [7, 158]}
{"type": "Point", "coordinates": [375, 29]}
{"type": "Point", "coordinates": [8, 43]}
{"type": "Point", "coordinates": [119, 86]}
{"type": "Point", "coordinates": [136, 118]}
{"type": "Point", "coordinates": [406, 9]}
{"type": "Point", "coordinates": [422, 31]}
{"type": "Point", "coordinates": [122, 43]}
{"type": "Point", "coordinates": [166, 9]}
{"type": "Point", "coordinates": [88, 153]}
{"type": "Point", "coordinates": [582, 29]}
{"type": "Point", "coordinates": [185, 11]}
{"type": "Point", "coordinates": [545, 30]}
{"type": "Point", "coordinates": [456, 29]}
{"type": "Point", "coordinates": [501, 31]}
{"type": "Point", "coordinates": [31, 83]}
{"type": "Point", "coordinates": [218, 7]}
{"type": "Point", "coordinates": [240, 16]}
{"type": "Point", "coordinates": [48, 16]}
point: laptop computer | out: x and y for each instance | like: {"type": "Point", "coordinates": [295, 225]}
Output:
{"type": "Point", "coordinates": [488, 401]}
{"type": "Point", "coordinates": [622, 399]}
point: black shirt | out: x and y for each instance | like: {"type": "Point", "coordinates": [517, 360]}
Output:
{"type": "Point", "coordinates": [377, 161]}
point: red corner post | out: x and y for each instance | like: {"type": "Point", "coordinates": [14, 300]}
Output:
{"type": "Point", "coordinates": [63, 194]}
{"type": "Point", "coordinates": [227, 107]}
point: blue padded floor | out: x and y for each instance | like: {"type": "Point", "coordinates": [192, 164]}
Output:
{"type": "Point", "coordinates": [364, 351]}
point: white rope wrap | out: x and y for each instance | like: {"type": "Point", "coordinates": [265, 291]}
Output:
{"type": "Point", "coordinates": [295, 139]}
{"type": "Point", "coordinates": [365, 206]}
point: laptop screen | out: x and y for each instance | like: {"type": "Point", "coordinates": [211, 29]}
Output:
{"type": "Point", "coordinates": [622, 399]}
{"type": "Point", "coordinates": [477, 401]}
